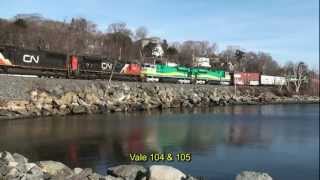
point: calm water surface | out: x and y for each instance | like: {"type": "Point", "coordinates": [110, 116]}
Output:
{"type": "Point", "coordinates": [282, 140]}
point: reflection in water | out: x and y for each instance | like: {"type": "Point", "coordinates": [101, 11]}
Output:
{"type": "Point", "coordinates": [252, 137]}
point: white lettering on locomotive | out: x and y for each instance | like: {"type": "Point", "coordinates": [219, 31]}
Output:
{"type": "Point", "coordinates": [29, 58]}
{"type": "Point", "coordinates": [106, 66]}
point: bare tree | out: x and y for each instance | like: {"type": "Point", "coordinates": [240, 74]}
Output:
{"type": "Point", "coordinates": [297, 74]}
{"type": "Point", "coordinates": [287, 72]}
{"type": "Point", "coordinates": [266, 64]}
{"type": "Point", "coordinates": [300, 73]}
{"type": "Point", "coordinates": [120, 27]}
{"type": "Point", "coordinates": [213, 49]}
{"type": "Point", "coordinates": [141, 32]}
{"type": "Point", "coordinates": [229, 59]}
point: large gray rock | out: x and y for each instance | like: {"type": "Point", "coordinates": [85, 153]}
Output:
{"type": "Point", "coordinates": [85, 174]}
{"type": "Point", "coordinates": [95, 176]}
{"type": "Point", "coordinates": [4, 169]}
{"type": "Point", "coordinates": [57, 91]}
{"type": "Point", "coordinates": [79, 109]}
{"type": "Point", "coordinates": [189, 177]}
{"type": "Point", "coordinates": [125, 87]}
{"type": "Point", "coordinates": [77, 170]}
{"type": "Point", "coordinates": [67, 99]}
{"type": "Point", "coordinates": [250, 175]}
{"type": "Point", "coordinates": [7, 114]}
{"type": "Point", "coordinates": [160, 172]}
{"type": "Point", "coordinates": [19, 158]}
{"type": "Point", "coordinates": [109, 177]}
{"type": "Point", "coordinates": [266, 96]}
{"type": "Point", "coordinates": [6, 157]}
{"type": "Point", "coordinates": [195, 98]}
{"type": "Point", "coordinates": [13, 173]}
{"type": "Point", "coordinates": [21, 168]}
{"type": "Point", "coordinates": [128, 172]}
{"type": "Point", "coordinates": [34, 170]}
{"type": "Point", "coordinates": [54, 168]}
{"type": "Point", "coordinates": [91, 98]}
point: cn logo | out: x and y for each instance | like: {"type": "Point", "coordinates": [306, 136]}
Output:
{"type": "Point", "coordinates": [29, 58]}
{"type": "Point", "coordinates": [106, 66]}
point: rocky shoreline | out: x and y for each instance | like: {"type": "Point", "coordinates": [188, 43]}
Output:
{"type": "Point", "coordinates": [15, 166]}
{"type": "Point", "coordinates": [34, 97]}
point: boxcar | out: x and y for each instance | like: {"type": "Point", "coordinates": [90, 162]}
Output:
{"type": "Point", "coordinates": [280, 81]}
{"type": "Point", "coordinates": [249, 79]}
{"type": "Point", "coordinates": [272, 80]}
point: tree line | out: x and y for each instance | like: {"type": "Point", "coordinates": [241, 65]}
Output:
{"type": "Point", "coordinates": [81, 36]}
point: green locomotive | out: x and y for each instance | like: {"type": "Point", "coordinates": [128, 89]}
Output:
{"type": "Point", "coordinates": [182, 74]}
{"type": "Point", "coordinates": [165, 73]}
{"type": "Point", "coordinates": [210, 76]}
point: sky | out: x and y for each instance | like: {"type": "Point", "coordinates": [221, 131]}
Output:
{"type": "Point", "coordinates": [287, 29]}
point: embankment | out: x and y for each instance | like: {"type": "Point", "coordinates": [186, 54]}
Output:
{"type": "Point", "coordinates": [30, 97]}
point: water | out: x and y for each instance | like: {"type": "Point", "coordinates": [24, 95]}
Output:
{"type": "Point", "coordinates": [282, 140]}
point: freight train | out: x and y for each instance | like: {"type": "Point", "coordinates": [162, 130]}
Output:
{"type": "Point", "coordinates": [15, 60]}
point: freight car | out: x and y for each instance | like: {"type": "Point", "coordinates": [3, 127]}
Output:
{"type": "Point", "coordinates": [272, 80]}
{"type": "Point", "coordinates": [244, 78]}
{"type": "Point", "coordinates": [255, 79]}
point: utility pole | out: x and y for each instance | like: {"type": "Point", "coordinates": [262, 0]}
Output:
{"type": "Point", "coordinates": [141, 56]}
{"type": "Point", "coordinates": [195, 72]}
{"type": "Point", "coordinates": [239, 54]}
{"type": "Point", "coordinates": [234, 82]}
{"type": "Point", "coordinates": [193, 56]}
{"type": "Point", "coordinates": [114, 66]}
{"type": "Point", "coordinates": [235, 87]}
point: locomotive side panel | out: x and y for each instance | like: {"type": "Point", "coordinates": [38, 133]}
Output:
{"type": "Point", "coordinates": [95, 64]}
{"type": "Point", "coordinates": [38, 59]}
{"type": "Point", "coordinates": [32, 62]}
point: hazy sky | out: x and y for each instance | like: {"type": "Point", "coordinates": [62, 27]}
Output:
{"type": "Point", "coordinates": [287, 29]}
